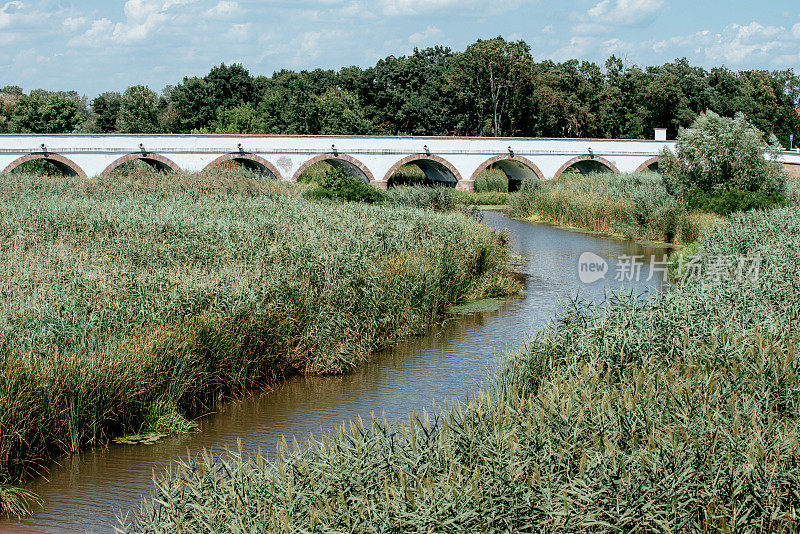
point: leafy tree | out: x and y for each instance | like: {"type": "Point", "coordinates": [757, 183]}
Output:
{"type": "Point", "coordinates": [138, 112]}
{"type": "Point", "coordinates": [44, 113]}
{"type": "Point", "coordinates": [7, 103]}
{"type": "Point", "coordinates": [243, 119]}
{"type": "Point", "coordinates": [106, 109]}
{"type": "Point", "coordinates": [338, 112]}
{"type": "Point", "coordinates": [722, 157]}
{"type": "Point", "coordinates": [229, 86]}
{"type": "Point", "coordinates": [485, 81]}
{"type": "Point", "coordinates": [193, 105]}
{"type": "Point", "coordinates": [404, 95]}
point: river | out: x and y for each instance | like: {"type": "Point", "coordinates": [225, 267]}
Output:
{"type": "Point", "coordinates": [87, 492]}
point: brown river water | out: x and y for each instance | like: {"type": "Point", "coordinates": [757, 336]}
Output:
{"type": "Point", "coordinates": [90, 491]}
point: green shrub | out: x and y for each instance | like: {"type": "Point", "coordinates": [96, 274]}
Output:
{"type": "Point", "coordinates": [339, 184]}
{"type": "Point", "coordinates": [672, 414]}
{"type": "Point", "coordinates": [731, 201]}
{"type": "Point", "coordinates": [717, 156]}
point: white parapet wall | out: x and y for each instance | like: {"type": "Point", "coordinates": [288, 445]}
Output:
{"type": "Point", "coordinates": [373, 158]}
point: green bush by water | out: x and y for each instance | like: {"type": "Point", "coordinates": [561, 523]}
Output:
{"type": "Point", "coordinates": [339, 184]}
{"type": "Point", "coordinates": [675, 414]}
{"type": "Point", "coordinates": [152, 296]}
{"type": "Point", "coordinates": [633, 205]}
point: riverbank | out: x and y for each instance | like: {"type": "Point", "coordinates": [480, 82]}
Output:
{"type": "Point", "coordinates": [674, 413]}
{"type": "Point", "coordinates": [632, 206]}
{"type": "Point", "coordinates": [137, 301]}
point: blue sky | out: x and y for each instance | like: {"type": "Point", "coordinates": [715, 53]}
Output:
{"type": "Point", "coordinates": [95, 46]}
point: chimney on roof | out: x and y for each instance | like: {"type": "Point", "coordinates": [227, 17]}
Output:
{"type": "Point", "coordinates": [661, 134]}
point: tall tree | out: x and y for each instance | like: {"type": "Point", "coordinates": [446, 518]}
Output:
{"type": "Point", "coordinates": [44, 113]}
{"type": "Point", "coordinates": [338, 112]}
{"type": "Point", "coordinates": [138, 112]}
{"type": "Point", "coordinates": [106, 111]}
{"type": "Point", "coordinates": [486, 81]}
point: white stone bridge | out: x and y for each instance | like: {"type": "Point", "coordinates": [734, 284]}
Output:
{"type": "Point", "coordinates": [455, 161]}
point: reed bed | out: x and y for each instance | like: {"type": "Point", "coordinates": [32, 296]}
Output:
{"type": "Point", "coordinates": [160, 294]}
{"type": "Point", "coordinates": [669, 414]}
{"type": "Point", "coordinates": [634, 205]}
{"type": "Point", "coordinates": [492, 180]}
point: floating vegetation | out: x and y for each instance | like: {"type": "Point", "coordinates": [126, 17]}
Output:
{"type": "Point", "coordinates": [148, 438]}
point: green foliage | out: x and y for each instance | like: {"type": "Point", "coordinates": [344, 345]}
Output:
{"type": "Point", "coordinates": [338, 184]}
{"type": "Point", "coordinates": [197, 101]}
{"type": "Point", "coordinates": [673, 414]}
{"type": "Point", "coordinates": [44, 113]}
{"type": "Point", "coordinates": [138, 111]}
{"type": "Point", "coordinates": [8, 100]}
{"type": "Point", "coordinates": [426, 197]}
{"type": "Point", "coordinates": [16, 502]}
{"type": "Point", "coordinates": [339, 112]}
{"type": "Point", "coordinates": [242, 119]}
{"type": "Point", "coordinates": [718, 155]}
{"type": "Point", "coordinates": [128, 300]}
{"type": "Point", "coordinates": [164, 417]}
{"type": "Point", "coordinates": [106, 108]}
{"type": "Point", "coordinates": [634, 205]}
{"type": "Point", "coordinates": [408, 175]}
{"type": "Point", "coordinates": [731, 201]}
{"type": "Point", "coordinates": [492, 88]}
{"type": "Point", "coordinates": [486, 82]}
{"type": "Point", "coordinates": [491, 179]}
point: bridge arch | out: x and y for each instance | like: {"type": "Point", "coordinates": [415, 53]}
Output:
{"type": "Point", "coordinates": [587, 163]}
{"type": "Point", "coordinates": [649, 165]}
{"type": "Point", "coordinates": [247, 160]}
{"type": "Point", "coordinates": [63, 164]}
{"type": "Point", "coordinates": [157, 161]}
{"type": "Point", "coordinates": [515, 167]}
{"type": "Point", "coordinates": [343, 161]}
{"type": "Point", "coordinates": [436, 169]}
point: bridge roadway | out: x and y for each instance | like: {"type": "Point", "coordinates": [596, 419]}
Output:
{"type": "Point", "coordinates": [453, 160]}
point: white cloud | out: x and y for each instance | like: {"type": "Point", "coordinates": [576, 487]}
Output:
{"type": "Point", "coordinates": [9, 12]}
{"type": "Point", "coordinates": [736, 45]}
{"type": "Point", "coordinates": [578, 47]}
{"type": "Point", "coordinates": [143, 18]}
{"type": "Point", "coordinates": [415, 7]}
{"type": "Point", "coordinates": [240, 32]}
{"type": "Point", "coordinates": [624, 12]}
{"type": "Point", "coordinates": [610, 15]}
{"type": "Point", "coordinates": [73, 24]}
{"type": "Point", "coordinates": [431, 32]}
{"type": "Point", "coordinates": [310, 45]}
{"type": "Point", "coordinates": [225, 8]}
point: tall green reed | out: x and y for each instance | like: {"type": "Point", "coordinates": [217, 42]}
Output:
{"type": "Point", "coordinates": [147, 293]}
{"type": "Point", "coordinates": [678, 413]}
{"type": "Point", "coordinates": [634, 205]}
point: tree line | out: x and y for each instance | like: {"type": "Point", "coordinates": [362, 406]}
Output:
{"type": "Point", "coordinates": [494, 87]}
